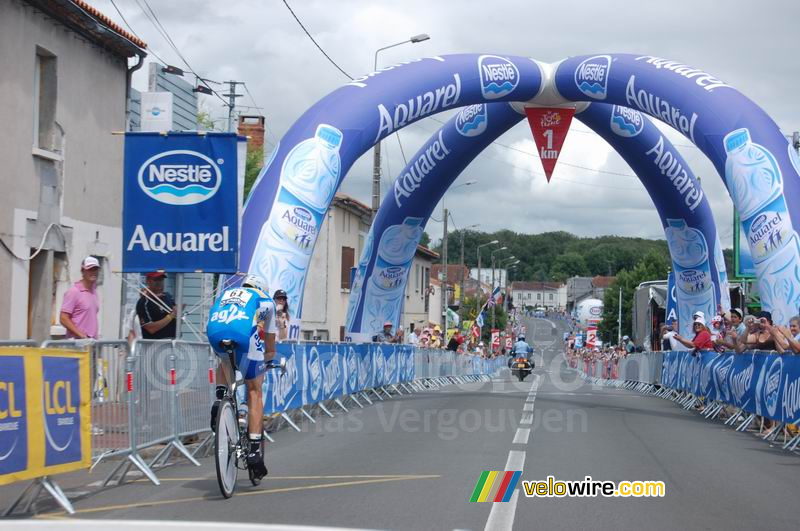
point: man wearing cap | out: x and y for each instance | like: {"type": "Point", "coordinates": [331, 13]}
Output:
{"type": "Point", "coordinates": [630, 348]}
{"type": "Point", "coordinates": [156, 309]}
{"type": "Point", "coordinates": [81, 305]}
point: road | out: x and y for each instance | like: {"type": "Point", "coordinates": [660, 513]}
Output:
{"type": "Point", "coordinates": [413, 462]}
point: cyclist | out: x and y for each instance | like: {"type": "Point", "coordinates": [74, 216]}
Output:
{"type": "Point", "coordinates": [245, 316]}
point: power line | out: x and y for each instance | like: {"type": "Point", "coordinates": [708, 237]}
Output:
{"type": "Point", "coordinates": [163, 32]}
{"type": "Point", "coordinates": [125, 21]}
{"type": "Point", "coordinates": [328, 57]}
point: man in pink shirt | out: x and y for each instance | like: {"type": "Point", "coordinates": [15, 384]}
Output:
{"type": "Point", "coordinates": [80, 307]}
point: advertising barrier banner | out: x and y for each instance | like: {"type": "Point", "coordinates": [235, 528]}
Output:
{"type": "Point", "coordinates": [324, 371]}
{"type": "Point", "coordinates": [764, 384]}
{"type": "Point", "coordinates": [180, 208]}
{"type": "Point", "coordinates": [45, 414]}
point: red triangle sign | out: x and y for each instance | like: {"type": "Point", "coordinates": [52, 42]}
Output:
{"type": "Point", "coordinates": [549, 127]}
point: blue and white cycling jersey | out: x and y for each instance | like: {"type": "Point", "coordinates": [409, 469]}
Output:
{"type": "Point", "coordinates": [235, 317]}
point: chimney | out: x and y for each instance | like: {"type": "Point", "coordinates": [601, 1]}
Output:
{"type": "Point", "coordinates": [252, 127]}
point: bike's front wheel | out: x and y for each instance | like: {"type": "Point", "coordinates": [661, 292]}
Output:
{"type": "Point", "coordinates": [226, 439]}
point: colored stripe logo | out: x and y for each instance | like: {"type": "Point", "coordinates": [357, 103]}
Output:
{"type": "Point", "coordinates": [494, 486]}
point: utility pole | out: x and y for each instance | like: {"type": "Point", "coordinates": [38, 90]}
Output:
{"type": "Point", "coordinates": [444, 272]}
{"type": "Point", "coordinates": [492, 291]}
{"type": "Point", "coordinates": [376, 179]}
{"type": "Point", "coordinates": [461, 272]}
{"type": "Point", "coordinates": [619, 319]}
{"type": "Point", "coordinates": [231, 95]}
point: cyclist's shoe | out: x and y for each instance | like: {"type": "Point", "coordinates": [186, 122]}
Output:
{"type": "Point", "coordinates": [255, 462]}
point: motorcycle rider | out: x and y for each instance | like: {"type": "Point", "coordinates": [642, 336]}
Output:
{"type": "Point", "coordinates": [521, 349]}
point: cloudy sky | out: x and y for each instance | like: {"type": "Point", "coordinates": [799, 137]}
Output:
{"type": "Point", "coordinates": [750, 45]}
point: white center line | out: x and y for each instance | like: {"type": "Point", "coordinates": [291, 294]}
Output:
{"type": "Point", "coordinates": [522, 436]}
{"type": "Point", "coordinates": [526, 420]}
{"type": "Point", "coordinates": [527, 407]}
{"type": "Point", "coordinates": [502, 514]}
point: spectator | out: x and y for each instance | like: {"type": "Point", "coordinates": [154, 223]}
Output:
{"type": "Point", "coordinates": [668, 333]}
{"type": "Point", "coordinates": [717, 329]}
{"type": "Point", "coordinates": [156, 309]}
{"type": "Point", "coordinates": [702, 337]}
{"type": "Point", "coordinates": [413, 338]}
{"type": "Point", "coordinates": [455, 341]}
{"type": "Point", "coordinates": [630, 348]}
{"type": "Point", "coordinates": [759, 333]}
{"type": "Point", "coordinates": [81, 305]}
{"type": "Point", "coordinates": [133, 326]}
{"type": "Point", "coordinates": [436, 340]}
{"type": "Point", "coordinates": [788, 339]}
{"type": "Point", "coordinates": [282, 314]}
{"type": "Point", "coordinates": [386, 335]}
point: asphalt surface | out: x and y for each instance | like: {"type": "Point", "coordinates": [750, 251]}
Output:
{"type": "Point", "coordinates": [413, 462]}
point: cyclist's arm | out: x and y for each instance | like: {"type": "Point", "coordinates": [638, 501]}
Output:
{"type": "Point", "coordinates": [268, 329]}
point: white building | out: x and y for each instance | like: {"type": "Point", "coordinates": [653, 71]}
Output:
{"type": "Point", "coordinates": [550, 295]}
{"type": "Point", "coordinates": [418, 293]}
{"type": "Point", "coordinates": [65, 81]}
{"type": "Point", "coordinates": [339, 246]}
{"type": "Point", "coordinates": [485, 276]}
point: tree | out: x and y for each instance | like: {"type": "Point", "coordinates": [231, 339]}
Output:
{"type": "Point", "coordinates": [253, 165]}
{"type": "Point", "coordinates": [568, 265]}
{"type": "Point", "coordinates": [652, 266]}
{"type": "Point", "coordinates": [425, 240]}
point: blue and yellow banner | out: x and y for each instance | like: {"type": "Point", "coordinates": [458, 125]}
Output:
{"type": "Point", "coordinates": [45, 413]}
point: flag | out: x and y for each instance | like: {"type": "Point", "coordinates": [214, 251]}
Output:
{"type": "Point", "coordinates": [479, 320]}
{"type": "Point", "coordinates": [495, 295]}
{"type": "Point", "coordinates": [452, 317]}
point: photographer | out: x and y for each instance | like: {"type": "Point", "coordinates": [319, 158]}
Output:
{"type": "Point", "coordinates": [759, 334]}
{"type": "Point", "coordinates": [282, 314]}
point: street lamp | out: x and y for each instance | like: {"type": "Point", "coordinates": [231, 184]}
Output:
{"type": "Point", "coordinates": [501, 249]}
{"type": "Point", "coordinates": [376, 159]}
{"type": "Point", "coordinates": [480, 275]}
{"type": "Point", "coordinates": [444, 252]}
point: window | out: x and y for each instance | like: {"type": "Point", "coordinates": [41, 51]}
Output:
{"type": "Point", "coordinates": [538, 296]}
{"type": "Point", "coordinates": [348, 261]}
{"type": "Point", "coordinates": [550, 297]}
{"type": "Point", "coordinates": [45, 90]}
{"type": "Point", "coordinates": [416, 279]}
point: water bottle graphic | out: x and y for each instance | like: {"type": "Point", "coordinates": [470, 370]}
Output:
{"type": "Point", "coordinates": [357, 288]}
{"type": "Point", "coordinates": [309, 176]}
{"type": "Point", "coordinates": [751, 172]}
{"type": "Point", "coordinates": [780, 287]}
{"type": "Point", "coordinates": [311, 169]}
{"type": "Point", "coordinates": [691, 259]}
{"type": "Point", "coordinates": [384, 294]}
{"type": "Point", "coordinates": [719, 262]}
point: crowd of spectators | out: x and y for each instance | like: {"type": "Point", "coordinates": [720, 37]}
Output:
{"type": "Point", "coordinates": [732, 331]}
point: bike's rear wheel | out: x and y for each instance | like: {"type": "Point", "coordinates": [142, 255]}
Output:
{"type": "Point", "coordinates": [225, 441]}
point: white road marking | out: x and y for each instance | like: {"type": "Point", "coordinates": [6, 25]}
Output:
{"type": "Point", "coordinates": [528, 407]}
{"type": "Point", "coordinates": [527, 420]}
{"type": "Point", "coordinates": [522, 436]}
{"type": "Point", "coordinates": [502, 514]}
{"type": "Point", "coordinates": [516, 460]}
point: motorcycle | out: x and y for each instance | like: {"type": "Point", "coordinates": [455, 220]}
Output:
{"type": "Point", "coordinates": [521, 368]}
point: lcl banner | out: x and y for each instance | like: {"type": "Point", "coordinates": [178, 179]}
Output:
{"type": "Point", "coordinates": [180, 207]}
{"type": "Point", "coordinates": [45, 424]}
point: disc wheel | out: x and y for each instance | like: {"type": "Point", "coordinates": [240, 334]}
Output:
{"type": "Point", "coordinates": [227, 435]}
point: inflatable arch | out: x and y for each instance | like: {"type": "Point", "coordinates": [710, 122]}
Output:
{"type": "Point", "coordinates": [288, 202]}
{"type": "Point", "coordinates": [378, 292]}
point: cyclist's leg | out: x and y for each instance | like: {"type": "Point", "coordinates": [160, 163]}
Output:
{"type": "Point", "coordinates": [255, 413]}
{"type": "Point", "coordinates": [223, 378]}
